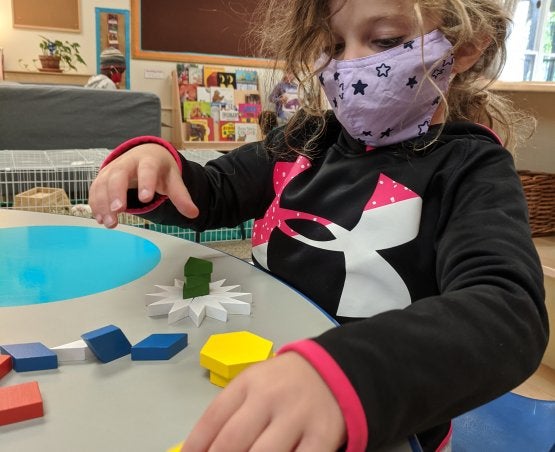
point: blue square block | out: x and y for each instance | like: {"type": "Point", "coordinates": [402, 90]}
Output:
{"type": "Point", "coordinates": [107, 343]}
{"type": "Point", "coordinates": [30, 356]}
{"type": "Point", "coordinates": [159, 346]}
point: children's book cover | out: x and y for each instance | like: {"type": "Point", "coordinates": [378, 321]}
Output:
{"type": "Point", "coordinates": [211, 75]}
{"type": "Point", "coordinates": [199, 129]}
{"type": "Point", "coordinates": [196, 109]}
{"type": "Point", "coordinates": [246, 79]}
{"type": "Point", "coordinates": [187, 92]}
{"type": "Point", "coordinates": [195, 72]}
{"type": "Point", "coordinates": [247, 96]}
{"type": "Point", "coordinates": [249, 112]}
{"type": "Point", "coordinates": [227, 131]}
{"type": "Point", "coordinates": [226, 80]}
{"type": "Point", "coordinates": [229, 112]}
{"type": "Point", "coordinates": [247, 132]}
{"type": "Point", "coordinates": [203, 94]}
{"type": "Point", "coordinates": [222, 95]}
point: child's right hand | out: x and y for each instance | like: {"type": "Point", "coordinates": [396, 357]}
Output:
{"type": "Point", "coordinates": [149, 168]}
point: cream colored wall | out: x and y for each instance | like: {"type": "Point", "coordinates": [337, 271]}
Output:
{"type": "Point", "coordinates": [22, 44]}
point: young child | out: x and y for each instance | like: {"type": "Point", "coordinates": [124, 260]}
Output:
{"type": "Point", "coordinates": [395, 212]}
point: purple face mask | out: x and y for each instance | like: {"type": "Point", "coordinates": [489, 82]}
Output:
{"type": "Point", "coordinates": [386, 98]}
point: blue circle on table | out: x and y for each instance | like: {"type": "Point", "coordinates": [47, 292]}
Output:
{"type": "Point", "coordinates": [41, 264]}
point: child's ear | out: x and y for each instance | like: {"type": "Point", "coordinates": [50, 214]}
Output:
{"type": "Point", "coordinates": [468, 54]}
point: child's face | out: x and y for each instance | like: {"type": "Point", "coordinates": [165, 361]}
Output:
{"type": "Point", "coordinates": [366, 27]}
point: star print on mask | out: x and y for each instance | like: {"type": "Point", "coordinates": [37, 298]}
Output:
{"type": "Point", "coordinates": [412, 82]}
{"type": "Point", "coordinates": [359, 87]}
{"type": "Point", "coordinates": [423, 128]}
{"type": "Point", "coordinates": [336, 76]}
{"type": "Point", "coordinates": [408, 45]}
{"type": "Point", "coordinates": [383, 70]}
{"type": "Point", "coordinates": [436, 100]}
{"type": "Point", "coordinates": [334, 102]}
{"type": "Point", "coordinates": [449, 62]}
{"type": "Point", "coordinates": [321, 78]}
{"type": "Point", "coordinates": [367, 133]}
{"type": "Point", "coordinates": [437, 72]}
{"type": "Point", "coordinates": [386, 133]}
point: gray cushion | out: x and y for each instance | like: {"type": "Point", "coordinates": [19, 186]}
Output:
{"type": "Point", "coordinates": [71, 117]}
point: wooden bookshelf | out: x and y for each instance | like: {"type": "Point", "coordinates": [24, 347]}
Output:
{"type": "Point", "coordinates": [178, 133]}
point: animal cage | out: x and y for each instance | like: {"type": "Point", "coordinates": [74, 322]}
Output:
{"type": "Point", "coordinates": [57, 181]}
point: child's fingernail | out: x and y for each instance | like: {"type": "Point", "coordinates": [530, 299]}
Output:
{"type": "Point", "coordinates": [145, 193]}
{"type": "Point", "coordinates": [116, 204]}
{"type": "Point", "coordinates": [108, 220]}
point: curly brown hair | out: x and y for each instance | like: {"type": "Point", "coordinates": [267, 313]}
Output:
{"type": "Point", "coordinates": [296, 32]}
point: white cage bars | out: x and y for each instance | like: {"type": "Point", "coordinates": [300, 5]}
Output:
{"type": "Point", "coordinates": [57, 181]}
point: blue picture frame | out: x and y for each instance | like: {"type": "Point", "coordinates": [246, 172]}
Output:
{"type": "Point", "coordinates": [101, 43]}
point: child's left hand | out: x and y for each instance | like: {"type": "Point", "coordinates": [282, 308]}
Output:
{"type": "Point", "coordinates": [281, 404]}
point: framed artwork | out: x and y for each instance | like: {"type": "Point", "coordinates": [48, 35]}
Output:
{"type": "Point", "coordinates": [61, 15]}
{"type": "Point", "coordinates": [112, 30]}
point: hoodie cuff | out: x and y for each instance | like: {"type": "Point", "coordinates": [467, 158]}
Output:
{"type": "Point", "coordinates": [133, 142]}
{"type": "Point", "coordinates": [340, 386]}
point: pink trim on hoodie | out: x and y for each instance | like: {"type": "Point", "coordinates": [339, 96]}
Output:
{"type": "Point", "coordinates": [340, 386]}
{"type": "Point", "coordinates": [129, 144]}
{"type": "Point", "coordinates": [447, 440]}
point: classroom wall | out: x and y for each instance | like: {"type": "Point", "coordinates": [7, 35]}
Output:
{"type": "Point", "coordinates": [19, 43]}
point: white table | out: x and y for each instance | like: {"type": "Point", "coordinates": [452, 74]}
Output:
{"type": "Point", "coordinates": [129, 405]}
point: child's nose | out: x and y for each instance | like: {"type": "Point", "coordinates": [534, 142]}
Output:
{"type": "Point", "coordinates": [355, 49]}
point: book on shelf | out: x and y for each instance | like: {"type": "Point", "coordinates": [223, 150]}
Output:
{"type": "Point", "coordinates": [226, 79]}
{"type": "Point", "coordinates": [249, 112]}
{"type": "Point", "coordinates": [246, 79]}
{"type": "Point", "coordinates": [229, 112]}
{"type": "Point", "coordinates": [246, 96]}
{"type": "Point", "coordinates": [210, 76]}
{"type": "Point", "coordinates": [204, 94]}
{"type": "Point", "coordinates": [247, 132]}
{"type": "Point", "coordinates": [189, 73]}
{"type": "Point", "coordinates": [196, 109]}
{"type": "Point", "coordinates": [227, 130]}
{"type": "Point", "coordinates": [222, 95]}
{"type": "Point", "coordinates": [187, 92]}
{"type": "Point", "coordinates": [199, 129]}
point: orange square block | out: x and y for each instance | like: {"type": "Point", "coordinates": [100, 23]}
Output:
{"type": "Point", "coordinates": [5, 365]}
{"type": "Point", "coordinates": [20, 402]}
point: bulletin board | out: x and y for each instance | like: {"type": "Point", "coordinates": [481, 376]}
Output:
{"type": "Point", "coordinates": [49, 15]}
{"type": "Point", "coordinates": [207, 31]}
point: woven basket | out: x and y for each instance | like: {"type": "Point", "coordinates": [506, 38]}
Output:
{"type": "Point", "coordinates": [539, 189]}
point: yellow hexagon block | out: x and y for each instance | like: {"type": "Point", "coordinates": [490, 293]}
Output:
{"type": "Point", "coordinates": [218, 380]}
{"type": "Point", "coordinates": [227, 354]}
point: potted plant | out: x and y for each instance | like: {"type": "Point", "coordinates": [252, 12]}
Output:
{"type": "Point", "coordinates": [56, 52]}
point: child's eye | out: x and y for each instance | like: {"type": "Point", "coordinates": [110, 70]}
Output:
{"type": "Point", "coordinates": [388, 43]}
{"type": "Point", "coordinates": [336, 49]}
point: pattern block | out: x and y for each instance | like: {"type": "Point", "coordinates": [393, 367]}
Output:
{"type": "Point", "coordinates": [20, 402]}
{"type": "Point", "coordinates": [5, 365]}
{"type": "Point", "coordinates": [159, 347]}
{"type": "Point", "coordinates": [73, 351]}
{"type": "Point", "coordinates": [107, 343]}
{"type": "Point", "coordinates": [195, 266]}
{"type": "Point", "coordinates": [226, 355]}
{"type": "Point", "coordinates": [30, 356]}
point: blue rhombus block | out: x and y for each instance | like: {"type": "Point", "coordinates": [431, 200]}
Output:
{"type": "Point", "coordinates": [107, 343]}
{"type": "Point", "coordinates": [159, 347]}
{"type": "Point", "coordinates": [30, 356]}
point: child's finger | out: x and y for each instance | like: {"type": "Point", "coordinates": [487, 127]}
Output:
{"type": "Point", "coordinates": [180, 196]}
{"type": "Point", "coordinates": [214, 418]}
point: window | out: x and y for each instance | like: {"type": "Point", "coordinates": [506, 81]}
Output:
{"type": "Point", "coordinates": [531, 44]}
